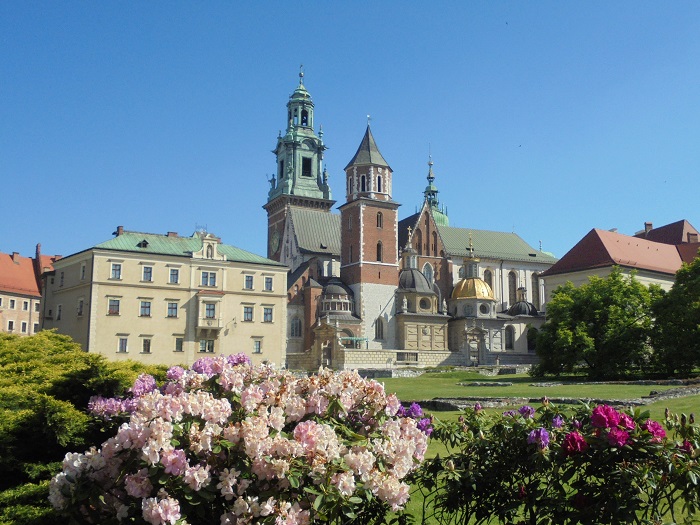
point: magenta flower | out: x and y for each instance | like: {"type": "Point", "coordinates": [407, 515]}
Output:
{"type": "Point", "coordinates": [605, 416]}
{"type": "Point", "coordinates": [526, 411]}
{"type": "Point", "coordinates": [627, 422]}
{"type": "Point", "coordinates": [574, 443]}
{"type": "Point", "coordinates": [655, 429]}
{"type": "Point", "coordinates": [424, 425]}
{"type": "Point", "coordinates": [509, 413]}
{"type": "Point", "coordinates": [557, 421]}
{"type": "Point", "coordinates": [238, 359]}
{"type": "Point", "coordinates": [686, 447]}
{"type": "Point", "coordinates": [617, 438]}
{"type": "Point", "coordinates": [477, 407]}
{"type": "Point", "coordinates": [539, 437]}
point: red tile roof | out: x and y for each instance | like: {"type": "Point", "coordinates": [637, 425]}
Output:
{"type": "Point", "coordinates": [674, 233]}
{"type": "Point", "coordinates": [602, 248]}
{"type": "Point", "coordinates": [17, 275]}
{"type": "Point", "coordinates": [688, 251]}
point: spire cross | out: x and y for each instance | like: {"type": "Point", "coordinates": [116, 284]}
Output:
{"type": "Point", "coordinates": [410, 230]}
{"type": "Point", "coordinates": [301, 75]}
{"type": "Point", "coordinates": [368, 119]}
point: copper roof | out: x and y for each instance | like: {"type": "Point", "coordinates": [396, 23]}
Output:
{"type": "Point", "coordinates": [602, 248]}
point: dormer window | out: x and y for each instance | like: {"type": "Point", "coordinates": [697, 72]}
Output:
{"type": "Point", "coordinates": [143, 244]}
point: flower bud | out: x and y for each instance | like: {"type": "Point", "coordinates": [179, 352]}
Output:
{"type": "Point", "coordinates": [545, 401]}
{"type": "Point", "coordinates": [684, 420]}
{"type": "Point", "coordinates": [692, 418]}
{"type": "Point", "coordinates": [667, 413]}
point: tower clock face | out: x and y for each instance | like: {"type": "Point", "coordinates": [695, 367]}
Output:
{"type": "Point", "coordinates": [275, 242]}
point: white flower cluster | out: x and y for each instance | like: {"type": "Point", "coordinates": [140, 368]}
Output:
{"type": "Point", "coordinates": [246, 441]}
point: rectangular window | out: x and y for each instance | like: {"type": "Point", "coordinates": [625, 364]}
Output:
{"type": "Point", "coordinates": [59, 308]}
{"type": "Point", "coordinates": [123, 345]}
{"type": "Point", "coordinates": [81, 303]}
{"type": "Point", "coordinates": [210, 309]}
{"type": "Point", "coordinates": [267, 314]}
{"type": "Point", "coordinates": [247, 313]}
{"type": "Point", "coordinates": [36, 306]}
{"type": "Point", "coordinates": [174, 276]}
{"type": "Point", "coordinates": [24, 327]}
{"type": "Point", "coordinates": [179, 342]}
{"type": "Point", "coordinates": [36, 328]}
{"type": "Point", "coordinates": [148, 273]}
{"type": "Point", "coordinates": [82, 272]}
{"type": "Point", "coordinates": [305, 167]}
{"type": "Point", "coordinates": [61, 281]}
{"type": "Point", "coordinates": [12, 304]}
{"type": "Point", "coordinates": [208, 278]}
{"type": "Point", "coordinates": [172, 309]}
{"type": "Point", "coordinates": [145, 309]}
{"type": "Point", "coordinates": [257, 346]}
{"type": "Point", "coordinates": [113, 308]}
{"type": "Point", "coordinates": [206, 345]}
{"type": "Point", "coordinates": [116, 271]}
{"type": "Point", "coordinates": [0, 301]}
{"type": "Point", "coordinates": [268, 284]}
{"type": "Point", "coordinates": [25, 306]}
{"type": "Point", "coordinates": [10, 326]}
{"type": "Point", "coordinates": [146, 346]}
{"type": "Point", "coordinates": [248, 282]}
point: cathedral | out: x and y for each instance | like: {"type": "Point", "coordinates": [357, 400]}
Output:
{"type": "Point", "coordinates": [369, 290]}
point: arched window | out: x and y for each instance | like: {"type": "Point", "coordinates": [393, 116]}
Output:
{"type": "Point", "coordinates": [512, 288]}
{"type": "Point", "coordinates": [419, 242]}
{"type": "Point", "coordinates": [532, 339]}
{"type": "Point", "coordinates": [488, 278]}
{"type": "Point", "coordinates": [510, 337]}
{"type": "Point", "coordinates": [380, 220]}
{"type": "Point", "coordinates": [379, 328]}
{"type": "Point", "coordinates": [304, 117]}
{"type": "Point", "coordinates": [536, 290]}
{"type": "Point", "coordinates": [210, 251]}
{"type": "Point", "coordinates": [380, 252]}
{"type": "Point", "coordinates": [379, 183]}
{"type": "Point", "coordinates": [429, 273]}
{"type": "Point", "coordinates": [295, 327]}
{"type": "Point", "coordinates": [435, 243]}
{"type": "Point", "coordinates": [363, 184]}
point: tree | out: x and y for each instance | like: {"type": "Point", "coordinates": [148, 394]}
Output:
{"type": "Point", "coordinates": [602, 327]}
{"type": "Point", "coordinates": [677, 333]}
{"type": "Point", "coordinates": [46, 381]}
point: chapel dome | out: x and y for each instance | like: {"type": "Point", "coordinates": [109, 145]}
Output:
{"type": "Point", "coordinates": [411, 279]}
{"type": "Point", "coordinates": [522, 308]}
{"type": "Point", "coordinates": [472, 288]}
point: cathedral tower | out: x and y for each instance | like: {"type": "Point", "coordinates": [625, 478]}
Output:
{"type": "Point", "coordinates": [300, 178]}
{"type": "Point", "coordinates": [369, 232]}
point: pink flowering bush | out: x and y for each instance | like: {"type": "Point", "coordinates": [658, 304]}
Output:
{"type": "Point", "coordinates": [227, 443]}
{"type": "Point", "coordinates": [544, 466]}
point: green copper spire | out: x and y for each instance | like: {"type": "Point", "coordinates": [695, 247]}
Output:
{"type": "Point", "coordinates": [431, 196]}
{"type": "Point", "coordinates": [299, 151]}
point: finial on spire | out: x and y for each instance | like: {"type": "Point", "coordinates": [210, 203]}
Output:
{"type": "Point", "coordinates": [471, 245]}
{"type": "Point", "coordinates": [431, 175]}
{"type": "Point", "coordinates": [368, 119]}
{"type": "Point", "coordinates": [301, 74]}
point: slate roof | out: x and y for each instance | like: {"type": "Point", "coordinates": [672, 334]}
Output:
{"type": "Point", "coordinates": [159, 244]}
{"type": "Point", "coordinates": [674, 233]}
{"type": "Point", "coordinates": [17, 275]}
{"type": "Point", "coordinates": [602, 248]}
{"type": "Point", "coordinates": [368, 153]}
{"type": "Point", "coordinates": [316, 231]}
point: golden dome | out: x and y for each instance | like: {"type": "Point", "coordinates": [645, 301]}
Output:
{"type": "Point", "coordinates": [472, 288]}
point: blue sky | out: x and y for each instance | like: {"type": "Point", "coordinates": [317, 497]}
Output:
{"type": "Point", "coordinates": [543, 118]}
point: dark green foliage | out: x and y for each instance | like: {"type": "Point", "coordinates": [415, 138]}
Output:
{"type": "Point", "coordinates": [602, 327]}
{"type": "Point", "coordinates": [677, 333]}
{"type": "Point", "coordinates": [46, 381]}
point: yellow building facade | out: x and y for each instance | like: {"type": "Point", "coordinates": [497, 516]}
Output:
{"type": "Point", "coordinates": [166, 299]}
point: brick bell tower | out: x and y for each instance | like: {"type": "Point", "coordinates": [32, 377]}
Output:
{"type": "Point", "coordinates": [300, 178]}
{"type": "Point", "coordinates": [369, 232]}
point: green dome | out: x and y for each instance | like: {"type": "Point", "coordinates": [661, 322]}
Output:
{"type": "Point", "coordinates": [440, 218]}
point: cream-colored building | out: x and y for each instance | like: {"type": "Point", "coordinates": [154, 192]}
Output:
{"type": "Point", "coordinates": [166, 299]}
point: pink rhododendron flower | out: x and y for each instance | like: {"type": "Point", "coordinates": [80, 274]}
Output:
{"type": "Point", "coordinates": [174, 461]}
{"type": "Point", "coordinates": [617, 437]}
{"type": "Point", "coordinates": [574, 443]}
{"type": "Point", "coordinates": [655, 429]}
{"type": "Point", "coordinates": [160, 512]}
{"type": "Point", "coordinates": [627, 422]}
{"type": "Point", "coordinates": [605, 416]}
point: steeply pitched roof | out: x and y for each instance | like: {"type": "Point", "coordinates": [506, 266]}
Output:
{"type": "Point", "coordinates": [601, 248]}
{"type": "Point", "coordinates": [17, 275]}
{"type": "Point", "coordinates": [674, 233]}
{"type": "Point", "coordinates": [492, 245]}
{"type": "Point", "coordinates": [688, 251]}
{"type": "Point", "coordinates": [316, 231]}
{"type": "Point", "coordinates": [368, 153]}
{"type": "Point", "coordinates": [175, 245]}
